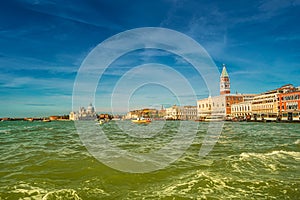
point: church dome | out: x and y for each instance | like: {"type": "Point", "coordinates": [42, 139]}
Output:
{"type": "Point", "coordinates": [90, 108]}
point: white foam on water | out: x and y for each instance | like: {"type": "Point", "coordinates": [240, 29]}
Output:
{"type": "Point", "coordinates": [6, 131]}
{"type": "Point", "coordinates": [28, 191]}
{"type": "Point", "coordinates": [283, 153]}
{"type": "Point", "coordinates": [196, 185]}
{"type": "Point", "coordinates": [280, 153]}
{"type": "Point", "coordinates": [297, 141]}
{"type": "Point", "coordinates": [272, 161]}
{"type": "Point", "coordinates": [95, 192]}
{"type": "Point", "coordinates": [63, 194]}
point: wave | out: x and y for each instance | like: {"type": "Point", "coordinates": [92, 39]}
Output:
{"type": "Point", "coordinates": [264, 163]}
{"type": "Point", "coordinates": [62, 194]}
{"type": "Point", "coordinates": [5, 131]}
{"type": "Point", "coordinates": [278, 153]}
{"type": "Point", "coordinates": [23, 191]}
{"type": "Point", "coordinates": [26, 191]}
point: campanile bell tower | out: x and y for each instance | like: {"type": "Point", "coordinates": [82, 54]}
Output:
{"type": "Point", "coordinates": [224, 82]}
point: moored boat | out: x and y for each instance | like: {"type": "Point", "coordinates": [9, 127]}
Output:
{"type": "Point", "coordinates": [46, 120]}
{"type": "Point", "coordinates": [141, 121]}
{"type": "Point", "coordinates": [101, 122]}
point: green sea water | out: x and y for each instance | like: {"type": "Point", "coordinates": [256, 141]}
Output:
{"type": "Point", "coordinates": [250, 161]}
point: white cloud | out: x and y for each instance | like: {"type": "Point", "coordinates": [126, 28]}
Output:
{"type": "Point", "coordinates": [30, 83]}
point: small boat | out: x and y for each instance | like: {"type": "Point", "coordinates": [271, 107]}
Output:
{"type": "Point", "coordinates": [46, 120]}
{"type": "Point", "coordinates": [213, 119]}
{"type": "Point", "coordinates": [103, 121]}
{"type": "Point", "coordinates": [141, 121]}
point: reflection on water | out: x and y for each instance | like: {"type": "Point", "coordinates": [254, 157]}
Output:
{"type": "Point", "coordinates": [250, 161]}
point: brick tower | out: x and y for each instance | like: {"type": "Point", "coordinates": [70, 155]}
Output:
{"type": "Point", "coordinates": [224, 82]}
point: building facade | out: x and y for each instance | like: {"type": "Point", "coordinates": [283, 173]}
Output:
{"type": "Point", "coordinates": [289, 105]}
{"type": "Point", "coordinates": [84, 114]}
{"type": "Point", "coordinates": [188, 112]}
{"type": "Point", "coordinates": [211, 108]}
{"type": "Point", "coordinates": [231, 100]}
{"type": "Point", "coordinates": [218, 107]}
{"type": "Point", "coordinates": [181, 113]}
{"type": "Point", "coordinates": [242, 110]}
{"type": "Point", "coordinates": [172, 113]}
{"type": "Point", "coordinates": [267, 106]}
{"type": "Point", "coordinates": [146, 112]}
{"type": "Point", "coordinates": [249, 97]}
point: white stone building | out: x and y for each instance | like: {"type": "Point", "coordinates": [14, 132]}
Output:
{"type": "Point", "coordinates": [84, 114]}
{"type": "Point", "coordinates": [241, 110]}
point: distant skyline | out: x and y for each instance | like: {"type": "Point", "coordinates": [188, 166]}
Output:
{"type": "Point", "coordinates": [43, 43]}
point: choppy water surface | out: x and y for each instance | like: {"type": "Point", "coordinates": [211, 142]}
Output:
{"type": "Point", "coordinates": [250, 161]}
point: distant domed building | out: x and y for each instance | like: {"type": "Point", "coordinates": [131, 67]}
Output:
{"type": "Point", "coordinates": [90, 109]}
{"type": "Point", "coordinates": [84, 114]}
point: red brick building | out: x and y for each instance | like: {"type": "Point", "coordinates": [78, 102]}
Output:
{"type": "Point", "coordinates": [289, 105]}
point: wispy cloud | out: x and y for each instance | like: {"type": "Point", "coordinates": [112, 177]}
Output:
{"type": "Point", "coordinates": [40, 104]}
{"type": "Point", "coordinates": [275, 6]}
{"type": "Point", "coordinates": [9, 81]}
{"type": "Point", "coordinates": [79, 12]}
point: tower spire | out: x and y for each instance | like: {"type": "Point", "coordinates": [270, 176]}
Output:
{"type": "Point", "coordinates": [224, 82]}
{"type": "Point", "coordinates": [224, 71]}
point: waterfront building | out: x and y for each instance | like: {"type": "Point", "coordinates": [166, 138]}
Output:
{"type": "Point", "coordinates": [149, 113]}
{"type": "Point", "coordinates": [146, 112]}
{"type": "Point", "coordinates": [230, 100]}
{"type": "Point", "coordinates": [172, 113]}
{"type": "Point", "coordinates": [211, 107]}
{"type": "Point", "coordinates": [266, 106]}
{"type": "Point", "coordinates": [188, 112]}
{"type": "Point", "coordinates": [242, 110]}
{"type": "Point", "coordinates": [289, 105]}
{"type": "Point", "coordinates": [283, 102]}
{"type": "Point", "coordinates": [181, 113]}
{"type": "Point", "coordinates": [72, 116]}
{"type": "Point", "coordinates": [84, 114]}
{"type": "Point", "coordinates": [248, 97]}
{"type": "Point", "coordinates": [219, 107]}
{"type": "Point", "coordinates": [132, 114]}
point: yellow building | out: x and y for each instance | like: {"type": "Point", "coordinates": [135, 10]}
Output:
{"type": "Point", "coordinates": [265, 106]}
{"type": "Point", "coordinates": [181, 113]}
{"type": "Point", "coordinates": [146, 112]}
{"type": "Point", "coordinates": [172, 113]}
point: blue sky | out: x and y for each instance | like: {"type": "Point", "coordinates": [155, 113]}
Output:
{"type": "Point", "coordinates": [43, 43]}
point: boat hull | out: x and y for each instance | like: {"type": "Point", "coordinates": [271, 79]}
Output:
{"type": "Point", "coordinates": [141, 121]}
